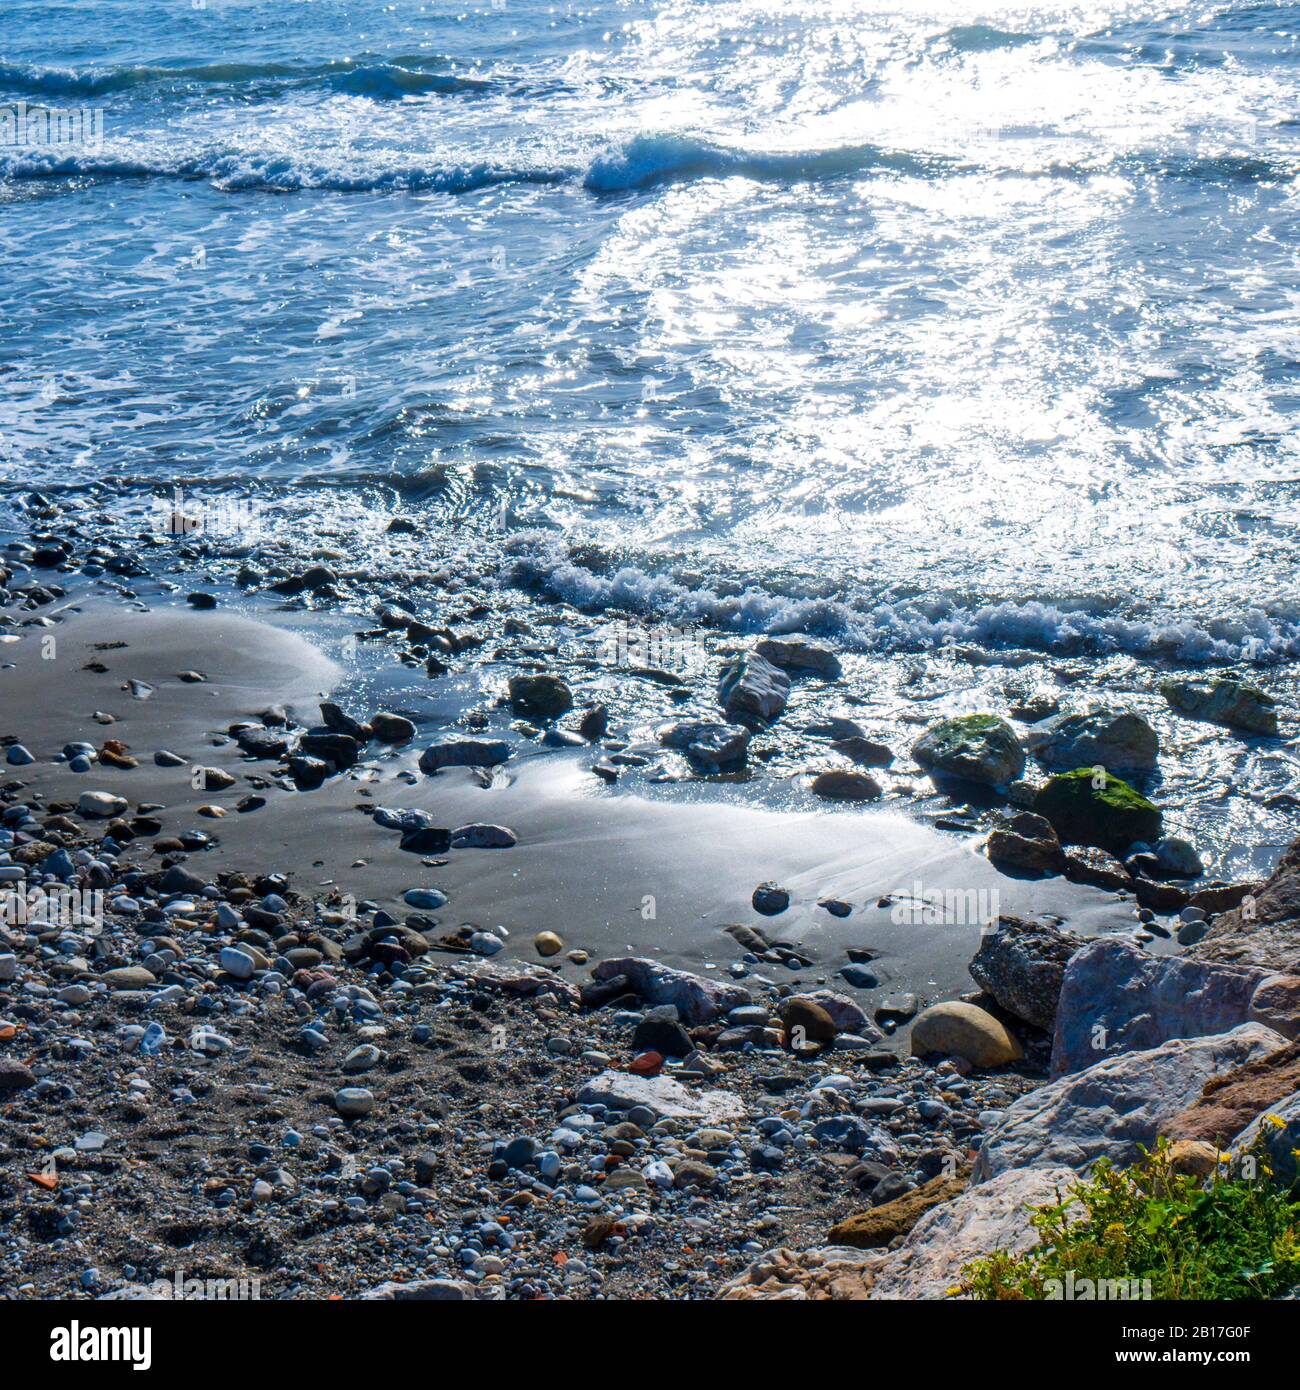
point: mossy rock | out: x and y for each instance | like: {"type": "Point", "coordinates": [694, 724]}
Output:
{"type": "Point", "coordinates": [974, 747]}
{"type": "Point", "coordinates": [1110, 816]}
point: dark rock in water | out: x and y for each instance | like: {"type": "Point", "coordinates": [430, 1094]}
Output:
{"type": "Point", "coordinates": [711, 745]}
{"type": "Point", "coordinates": [864, 751]}
{"type": "Point", "coordinates": [262, 742]}
{"type": "Point", "coordinates": [839, 784]}
{"type": "Point", "coordinates": [1029, 844]}
{"type": "Point", "coordinates": [594, 723]}
{"type": "Point", "coordinates": [835, 906]}
{"type": "Point", "coordinates": [1022, 965]}
{"type": "Point", "coordinates": [662, 1035]}
{"type": "Point", "coordinates": [338, 722]}
{"type": "Point", "coordinates": [339, 750]}
{"type": "Point", "coordinates": [859, 976]}
{"type": "Point", "coordinates": [1264, 930]}
{"type": "Point", "coordinates": [1159, 897]}
{"type": "Point", "coordinates": [1105, 738]}
{"type": "Point", "coordinates": [770, 899]}
{"type": "Point", "coordinates": [1088, 808]}
{"type": "Point", "coordinates": [751, 688]}
{"type": "Point", "coordinates": [540, 697]}
{"type": "Point", "coordinates": [464, 752]}
{"type": "Point", "coordinates": [1096, 867]}
{"type": "Point", "coordinates": [392, 728]}
{"type": "Point", "coordinates": [308, 772]}
{"type": "Point", "coordinates": [201, 600]}
{"type": "Point", "coordinates": [1236, 704]}
{"type": "Point", "coordinates": [975, 748]}
{"type": "Point", "coordinates": [1223, 897]}
{"type": "Point", "coordinates": [795, 653]}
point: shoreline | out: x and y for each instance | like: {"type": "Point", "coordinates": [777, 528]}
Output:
{"type": "Point", "coordinates": [293, 952]}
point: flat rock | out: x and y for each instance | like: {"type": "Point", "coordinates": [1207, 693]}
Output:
{"type": "Point", "coordinates": [665, 1097]}
{"type": "Point", "coordinates": [1235, 704]}
{"type": "Point", "coordinates": [709, 743]}
{"type": "Point", "coordinates": [795, 653]}
{"type": "Point", "coordinates": [697, 999]}
{"type": "Point", "coordinates": [1231, 1101]}
{"type": "Point", "coordinates": [868, 1230]}
{"type": "Point", "coordinates": [464, 752]}
{"type": "Point", "coordinates": [1112, 1108]}
{"type": "Point", "coordinates": [421, 1290]}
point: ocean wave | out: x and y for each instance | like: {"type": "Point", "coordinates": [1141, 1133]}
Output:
{"type": "Point", "coordinates": [890, 623]}
{"type": "Point", "coordinates": [379, 79]}
{"type": "Point", "coordinates": [240, 171]}
{"type": "Point", "coordinates": [649, 160]}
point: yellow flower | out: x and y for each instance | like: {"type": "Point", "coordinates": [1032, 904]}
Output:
{"type": "Point", "coordinates": [1276, 1121]}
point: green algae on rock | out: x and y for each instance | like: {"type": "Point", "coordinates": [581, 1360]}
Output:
{"type": "Point", "coordinates": [975, 747]}
{"type": "Point", "coordinates": [1091, 807]}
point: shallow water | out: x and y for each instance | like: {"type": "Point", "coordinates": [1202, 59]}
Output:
{"type": "Point", "coordinates": [959, 322]}
{"type": "Point", "coordinates": [962, 333]}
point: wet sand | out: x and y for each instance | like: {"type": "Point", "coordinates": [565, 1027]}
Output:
{"type": "Point", "coordinates": [611, 872]}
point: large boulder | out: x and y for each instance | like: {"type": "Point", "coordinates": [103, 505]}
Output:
{"type": "Point", "coordinates": [1115, 1107]}
{"type": "Point", "coordinates": [1230, 1102]}
{"type": "Point", "coordinates": [958, 1029]}
{"type": "Point", "coordinates": [973, 748]}
{"type": "Point", "coordinates": [1236, 704]}
{"type": "Point", "coordinates": [696, 998]}
{"type": "Point", "coordinates": [1022, 965]}
{"type": "Point", "coordinates": [1264, 930]}
{"type": "Point", "coordinates": [752, 689]}
{"type": "Point", "coordinates": [993, 1216]}
{"type": "Point", "coordinates": [1115, 999]}
{"type": "Point", "coordinates": [1098, 738]}
{"type": "Point", "coordinates": [1090, 807]}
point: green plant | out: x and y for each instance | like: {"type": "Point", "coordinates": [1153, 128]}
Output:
{"type": "Point", "coordinates": [1180, 1236]}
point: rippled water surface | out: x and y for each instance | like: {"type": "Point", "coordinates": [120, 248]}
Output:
{"type": "Point", "coordinates": [903, 324]}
